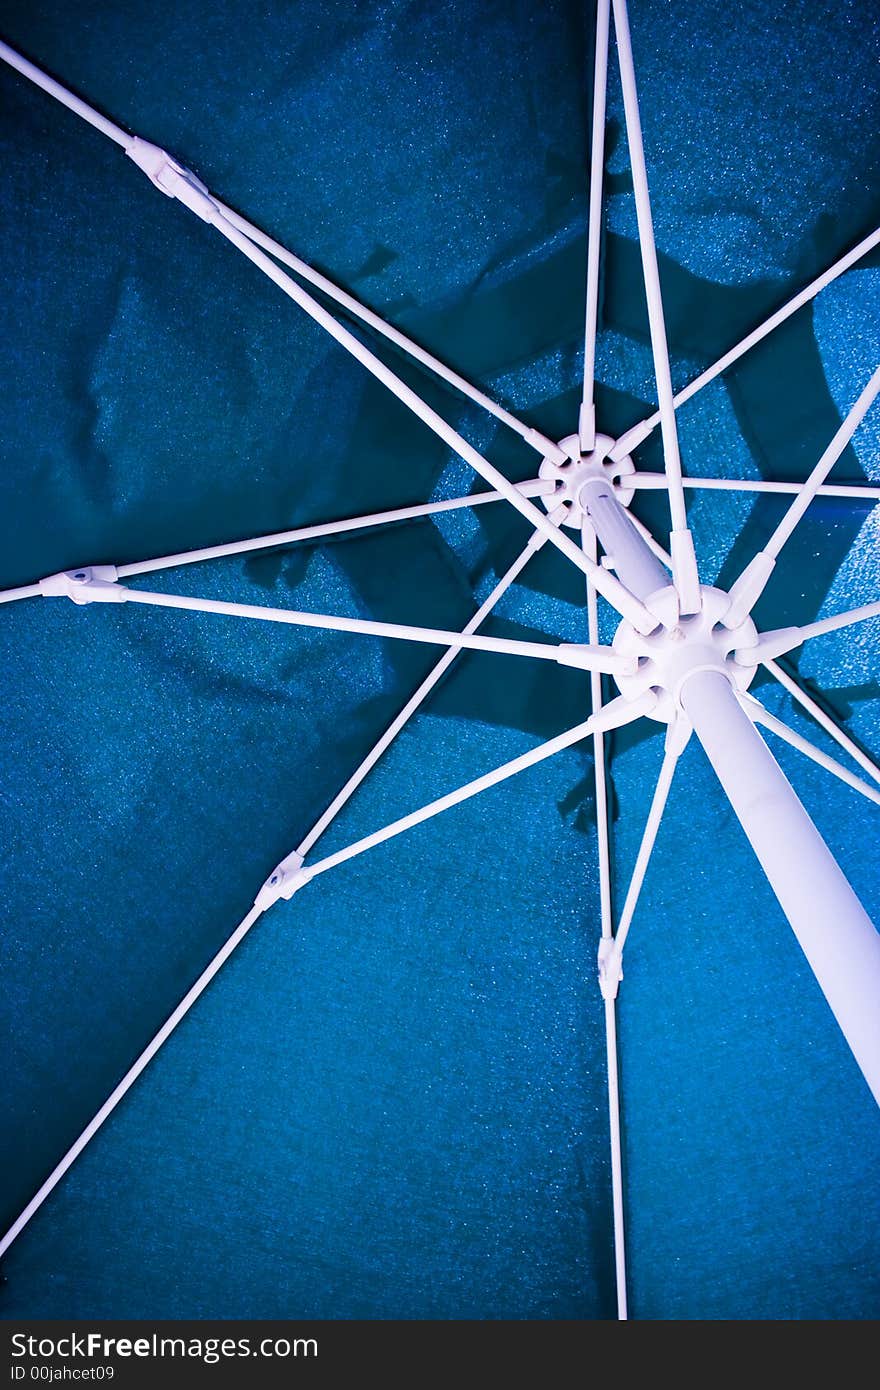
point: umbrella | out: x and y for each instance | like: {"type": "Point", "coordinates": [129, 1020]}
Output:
{"type": "Point", "coordinates": [144, 763]}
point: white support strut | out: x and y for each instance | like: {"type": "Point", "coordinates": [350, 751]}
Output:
{"type": "Point", "coordinates": [681, 542]}
{"type": "Point", "coordinates": [759, 715]}
{"type": "Point", "coordinates": [323, 529]}
{"type": "Point", "coordinates": [784, 639]}
{"type": "Point", "coordinates": [176, 181]}
{"type": "Point", "coordinates": [748, 588]}
{"type": "Point", "coordinates": [822, 719]}
{"type": "Point", "coordinates": [73, 103]}
{"type": "Point", "coordinates": [631, 438]}
{"type": "Point", "coordinates": [587, 417]}
{"type": "Point", "coordinates": [130, 1077]}
{"type": "Point", "coordinates": [613, 716]}
{"type": "Point", "coordinates": [653, 482]}
{"type": "Point", "coordinates": [92, 586]}
{"type": "Point", "coordinates": [676, 739]}
{"type": "Point", "coordinates": [600, 782]}
{"type": "Point", "coordinates": [418, 698]}
{"type": "Point", "coordinates": [319, 531]}
{"type": "Point", "coordinates": [545, 447]}
{"type": "Point", "coordinates": [615, 593]}
{"type": "Point", "coordinates": [839, 443]}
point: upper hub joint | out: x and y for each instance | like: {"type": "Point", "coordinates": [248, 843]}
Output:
{"type": "Point", "coordinates": [680, 646]}
{"type": "Point", "coordinates": [578, 469]}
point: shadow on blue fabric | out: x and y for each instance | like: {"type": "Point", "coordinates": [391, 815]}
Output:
{"type": "Point", "coordinates": [391, 1103]}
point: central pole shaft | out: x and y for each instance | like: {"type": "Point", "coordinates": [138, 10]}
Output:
{"type": "Point", "coordinates": [637, 568]}
{"type": "Point", "coordinates": [832, 928]}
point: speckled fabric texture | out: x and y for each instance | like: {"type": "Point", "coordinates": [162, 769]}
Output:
{"type": "Point", "coordinates": [391, 1103]}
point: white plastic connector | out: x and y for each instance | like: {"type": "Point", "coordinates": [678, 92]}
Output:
{"type": "Point", "coordinates": [581, 656]}
{"type": "Point", "coordinates": [633, 438]}
{"type": "Point", "coordinates": [770, 645]}
{"type": "Point", "coordinates": [746, 591]}
{"type": "Point", "coordinates": [587, 427]}
{"type": "Point", "coordinates": [285, 880]}
{"type": "Point", "coordinates": [545, 446]}
{"type": "Point", "coordinates": [678, 733]}
{"type": "Point", "coordinates": [684, 571]}
{"type": "Point", "coordinates": [680, 647]}
{"type": "Point", "coordinates": [172, 178]}
{"type": "Point", "coordinates": [89, 584]}
{"type": "Point", "coordinates": [610, 967]}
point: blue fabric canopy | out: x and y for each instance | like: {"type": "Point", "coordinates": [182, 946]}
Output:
{"type": "Point", "coordinates": [391, 1103]}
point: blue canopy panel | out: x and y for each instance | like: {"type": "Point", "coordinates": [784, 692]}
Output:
{"type": "Point", "coordinates": [391, 1103]}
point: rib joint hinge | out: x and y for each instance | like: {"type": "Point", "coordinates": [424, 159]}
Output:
{"type": "Point", "coordinates": [89, 584]}
{"type": "Point", "coordinates": [610, 967]}
{"type": "Point", "coordinates": [285, 880]}
{"type": "Point", "coordinates": [172, 178]}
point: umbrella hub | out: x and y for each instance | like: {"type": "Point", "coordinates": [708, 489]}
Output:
{"type": "Point", "coordinates": [680, 646]}
{"type": "Point", "coordinates": [578, 469]}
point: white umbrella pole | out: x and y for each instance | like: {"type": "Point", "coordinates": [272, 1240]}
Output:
{"type": "Point", "coordinates": [832, 928]}
{"type": "Point", "coordinates": [653, 545]}
{"type": "Point", "coordinates": [638, 565]}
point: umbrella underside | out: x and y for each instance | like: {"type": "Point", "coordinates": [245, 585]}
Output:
{"type": "Point", "coordinates": [392, 1101]}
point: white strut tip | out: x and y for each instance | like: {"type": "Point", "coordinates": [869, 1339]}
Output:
{"type": "Point", "coordinates": [88, 584]}
{"type": "Point", "coordinates": [684, 571]}
{"type": "Point", "coordinates": [285, 880]}
{"type": "Point", "coordinates": [545, 446]}
{"type": "Point", "coordinates": [678, 733]}
{"type": "Point", "coordinates": [746, 590]}
{"type": "Point", "coordinates": [770, 645]}
{"type": "Point", "coordinates": [582, 655]}
{"type": "Point", "coordinates": [610, 967]}
{"type": "Point", "coordinates": [587, 427]}
{"type": "Point", "coordinates": [631, 439]}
